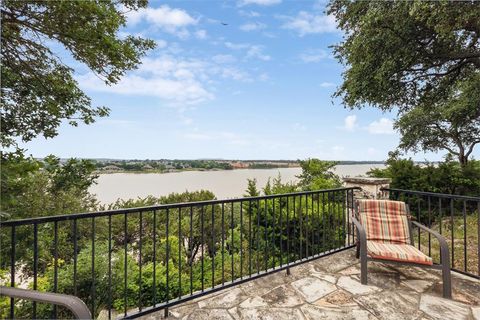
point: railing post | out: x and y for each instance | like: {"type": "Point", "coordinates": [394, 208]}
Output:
{"type": "Point", "coordinates": [371, 187]}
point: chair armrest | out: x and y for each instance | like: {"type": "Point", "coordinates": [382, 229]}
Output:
{"type": "Point", "coordinates": [362, 235]}
{"type": "Point", "coordinates": [444, 255]}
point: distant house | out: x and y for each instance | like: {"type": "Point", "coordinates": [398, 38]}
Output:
{"type": "Point", "coordinates": [239, 165]}
{"type": "Point", "coordinates": [147, 167]}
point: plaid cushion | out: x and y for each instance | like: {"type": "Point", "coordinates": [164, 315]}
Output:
{"type": "Point", "coordinates": [397, 252]}
{"type": "Point", "coordinates": [384, 220]}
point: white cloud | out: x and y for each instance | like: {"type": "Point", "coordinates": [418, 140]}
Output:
{"type": "Point", "coordinates": [259, 2]}
{"type": "Point", "coordinates": [235, 74]}
{"type": "Point", "coordinates": [182, 91]}
{"type": "Point", "coordinates": [223, 58]}
{"type": "Point", "coordinates": [252, 51]}
{"type": "Point", "coordinates": [313, 56]}
{"type": "Point", "coordinates": [306, 23]}
{"type": "Point", "coordinates": [257, 52]}
{"type": "Point", "coordinates": [350, 123]}
{"type": "Point", "coordinates": [171, 20]}
{"type": "Point", "coordinates": [327, 84]}
{"type": "Point", "coordinates": [236, 46]}
{"type": "Point", "coordinates": [201, 34]}
{"type": "Point", "coordinates": [175, 79]}
{"type": "Point", "coordinates": [252, 26]}
{"type": "Point", "coordinates": [161, 44]}
{"type": "Point", "coordinates": [249, 14]}
{"type": "Point", "coordinates": [382, 126]}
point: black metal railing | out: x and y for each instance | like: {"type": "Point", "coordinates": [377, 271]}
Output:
{"type": "Point", "coordinates": [456, 217]}
{"type": "Point", "coordinates": [136, 261]}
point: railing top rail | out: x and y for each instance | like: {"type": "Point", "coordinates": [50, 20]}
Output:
{"type": "Point", "coordinates": [433, 194]}
{"type": "Point", "coordinates": [86, 215]}
{"type": "Point", "coordinates": [74, 304]}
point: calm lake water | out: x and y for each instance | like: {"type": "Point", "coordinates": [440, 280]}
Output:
{"type": "Point", "coordinates": [224, 184]}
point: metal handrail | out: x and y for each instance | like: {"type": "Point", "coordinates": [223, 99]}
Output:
{"type": "Point", "coordinates": [433, 194]}
{"type": "Point", "coordinates": [74, 304]}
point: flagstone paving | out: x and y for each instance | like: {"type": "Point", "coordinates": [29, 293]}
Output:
{"type": "Point", "coordinates": [329, 288]}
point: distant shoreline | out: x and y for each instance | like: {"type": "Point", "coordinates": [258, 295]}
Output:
{"type": "Point", "coordinates": [154, 171]}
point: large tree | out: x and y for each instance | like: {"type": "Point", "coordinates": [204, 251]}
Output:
{"type": "Point", "coordinates": [38, 89]}
{"type": "Point", "coordinates": [402, 53]}
{"type": "Point", "coordinates": [452, 124]}
{"type": "Point", "coordinates": [421, 58]}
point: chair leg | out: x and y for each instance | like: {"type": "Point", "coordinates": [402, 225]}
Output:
{"type": "Point", "coordinates": [363, 267]}
{"type": "Point", "coordinates": [447, 281]}
{"type": "Point", "coordinates": [357, 255]}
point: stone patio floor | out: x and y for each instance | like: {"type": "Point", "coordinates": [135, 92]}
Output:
{"type": "Point", "coordinates": [329, 288]}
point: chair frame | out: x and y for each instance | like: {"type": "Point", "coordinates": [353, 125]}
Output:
{"type": "Point", "coordinates": [444, 265]}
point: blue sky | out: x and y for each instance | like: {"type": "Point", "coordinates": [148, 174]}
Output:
{"type": "Point", "coordinates": [259, 87]}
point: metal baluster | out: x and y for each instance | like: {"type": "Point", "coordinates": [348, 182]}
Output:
{"type": "Point", "coordinates": [55, 263]}
{"type": "Point", "coordinates": [167, 258]}
{"type": "Point", "coordinates": [300, 221]}
{"type": "Point", "coordinates": [203, 246]}
{"type": "Point", "coordinates": [125, 233]}
{"type": "Point", "coordinates": [429, 225]}
{"type": "Point", "coordinates": [140, 261]}
{"type": "Point", "coordinates": [232, 249]}
{"type": "Point", "coordinates": [288, 236]}
{"type": "Point", "coordinates": [452, 229]}
{"type": "Point", "coordinates": [75, 250]}
{"type": "Point", "coordinates": [241, 239]}
{"type": "Point", "coordinates": [13, 241]}
{"type": "Point", "coordinates": [212, 250]}
{"type": "Point", "coordinates": [265, 218]}
{"type": "Point", "coordinates": [258, 236]}
{"type": "Point", "coordinates": [250, 237]}
{"type": "Point", "coordinates": [419, 199]}
{"type": "Point", "coordinates": [465, 235]}
{"type": "Point", "coordinates": [280, 230]}
{"type": "Point", "coordinates": [35, 265]}
{"type": "Point", "coordinates": [93, 266]}
{"type": "Point", "coordinates": [190, 246]}
{"type": "Point", "coordinates": [306, 225]}
{"type": "Point", "coordinates": [154, 285]}
{"type": "Point", "coordinates": [109, 267]}
{"type": "Point", "coordinates": [223, 244]}
{"type": "Point", "coordinates": [180, 241]}
{"type": "Point", "coordinates": [272, 233]}
{"type": "Point", "coordinates": [324, 218]}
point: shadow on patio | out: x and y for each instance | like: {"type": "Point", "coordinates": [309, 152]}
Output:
{"type": "Point", "coordinates": [329, 288]}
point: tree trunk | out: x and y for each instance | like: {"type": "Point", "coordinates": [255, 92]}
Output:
{"type": "Point", "coordinates": [462, 159]}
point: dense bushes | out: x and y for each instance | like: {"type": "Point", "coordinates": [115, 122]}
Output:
{"type": "Point", "coordinates": [443, 177]}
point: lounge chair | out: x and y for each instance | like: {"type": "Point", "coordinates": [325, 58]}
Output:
{"type": "Point", "coordinates": [385, 234]}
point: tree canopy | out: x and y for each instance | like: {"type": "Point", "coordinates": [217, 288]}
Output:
{"type": "Point", "coordinates": [38, 89]}
{"type": "Point", "coordinates": [405, 53]}
{"type": "Point", "coordinates": [452, 124]}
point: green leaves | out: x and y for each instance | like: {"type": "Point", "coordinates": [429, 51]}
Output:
{"type": "Point", "coordinates": [401, 53]}
{"type": "Point", "coordinates": [38, 88]}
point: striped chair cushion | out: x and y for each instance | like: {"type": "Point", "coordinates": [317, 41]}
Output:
{"type": "Point", "coordinates": [397, 252]}
{"type": "Point", "coordinates": [384, 220]}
